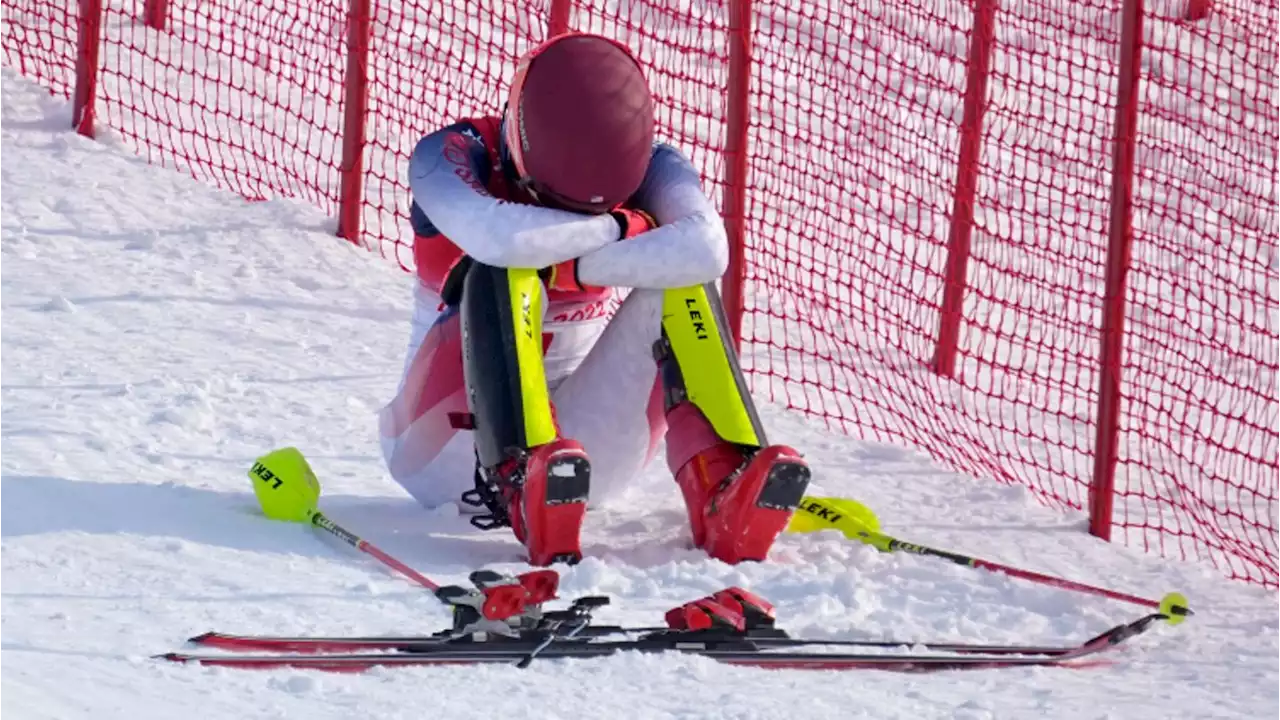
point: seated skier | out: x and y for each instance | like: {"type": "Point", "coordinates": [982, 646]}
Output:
{"type": "Point", "coordinates": [528, 228]}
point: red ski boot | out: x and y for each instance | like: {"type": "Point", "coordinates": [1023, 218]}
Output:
{"type": "Point", "coordinates": [739, 500]}
{"type": "Point", "coordinates": [543, 495]}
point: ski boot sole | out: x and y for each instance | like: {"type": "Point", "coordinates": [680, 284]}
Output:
{"type": "Point", "coordinates": [775, 495]}
{"type": "Point", "coordinates": [555, 503]}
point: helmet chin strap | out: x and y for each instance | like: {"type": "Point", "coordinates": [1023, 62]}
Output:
{"type": "Point", "coordinates": [508, 166]}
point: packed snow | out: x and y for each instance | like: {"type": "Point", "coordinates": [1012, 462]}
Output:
{"type": "Point", "coordinates": [158, 335]}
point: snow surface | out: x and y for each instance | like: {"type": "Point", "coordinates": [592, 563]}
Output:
{"type": "Point", "coordinates": [158, 335]}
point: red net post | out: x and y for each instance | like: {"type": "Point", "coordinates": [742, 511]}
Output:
{"type": "Point", "coordinates": [355, 109]}
{"type": "Point", "coordinates": [1110, 370]}
{"type": "Point", "coordinates": [558, 18]}
{"type": "Point", "coordinates": [156, 14]}
{"type": "Point", "coordinates": [967, 168]}
{"type": "Point", "coordinates": [736, 161]}
{"type": "Point", "coordinates": [1196, 468]}
{"type": "Point", "coordinates": [88, 46]}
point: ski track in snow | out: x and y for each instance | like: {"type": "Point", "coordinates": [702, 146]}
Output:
{"type": "Point", "coordinates": [158, 335]}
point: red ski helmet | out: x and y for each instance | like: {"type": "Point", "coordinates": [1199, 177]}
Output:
{"type": "Point", "coordinates": [579, 122]}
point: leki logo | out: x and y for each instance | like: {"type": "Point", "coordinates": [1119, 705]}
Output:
{"type": "Point", "coordinates": [266, 475]}
{"type": "Point", "coordinates": [699, 325]}
{"type": "Point", "coordinates": [817, 509]}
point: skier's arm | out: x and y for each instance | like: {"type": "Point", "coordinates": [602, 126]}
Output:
{"type": "Point", "coordinates": [689, 246]}
{"type": "Point", "coordinates": [446, 175]}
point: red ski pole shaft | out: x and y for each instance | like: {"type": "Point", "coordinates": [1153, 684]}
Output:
{"type": "Point", "coordinates": [319, 520]}
{"type": "Point", "coordinates": [1064, 583]}
{"type": "Point", "coordinates": [894, 545]}
{"type": "Point", "coordinates": [497, 602]}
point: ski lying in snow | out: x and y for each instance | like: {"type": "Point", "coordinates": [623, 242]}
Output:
{"type": "Point", "coordinates": [430, 643]}
{"type": "Point", "coordinates": [733, 627]}
{"type": "Point", "coordinates": [745, 653]}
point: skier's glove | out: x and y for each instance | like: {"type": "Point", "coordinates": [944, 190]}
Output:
{"type": "Point", "coordinates": [632, 222]}
{"type": "Point", "coordinates": [564, 277]}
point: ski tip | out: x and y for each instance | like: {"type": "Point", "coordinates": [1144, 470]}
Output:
{"type": "Point", "coordinates": [202, 637]}
{"type": "Point", "coordinates": [172, 657]}
{"type": "Point", "coordinates": [1174, 608]}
